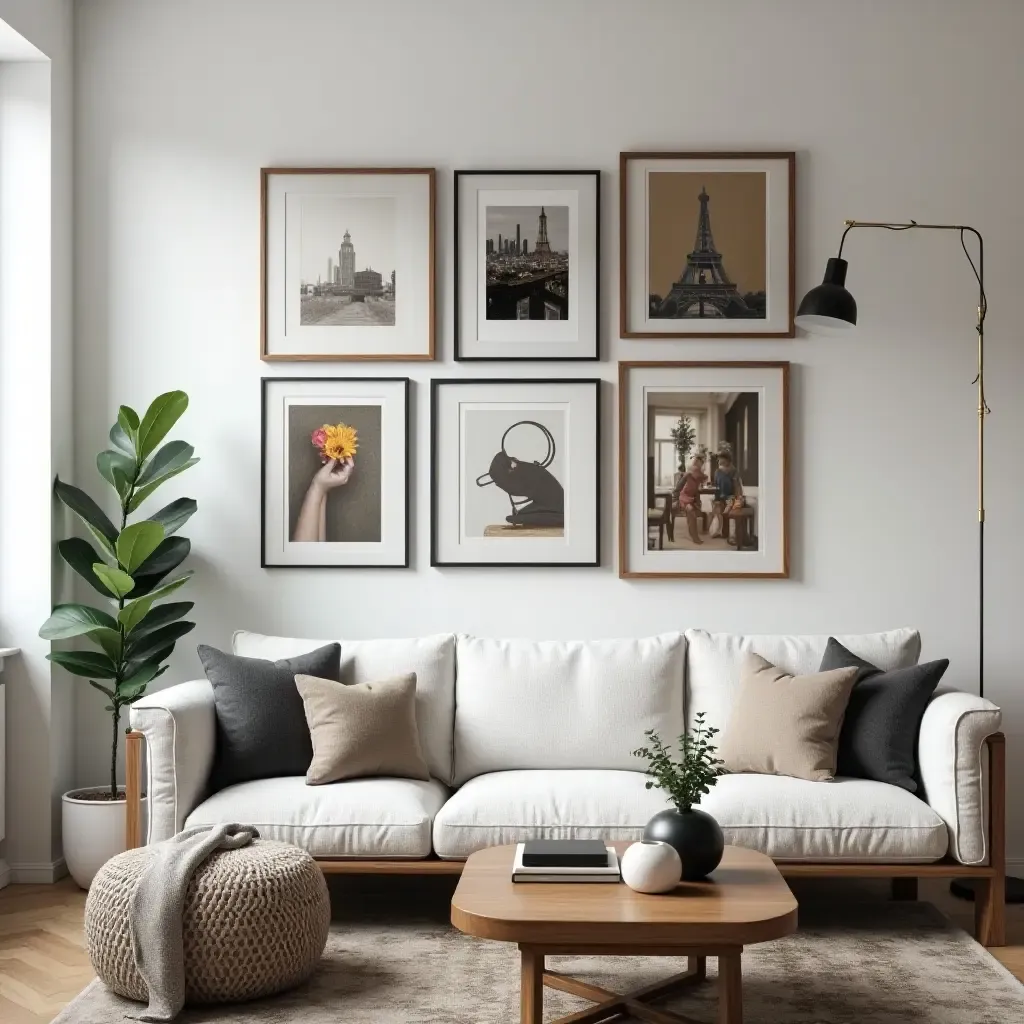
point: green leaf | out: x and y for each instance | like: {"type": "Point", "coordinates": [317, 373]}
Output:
{"type": "Point", "coordinates": [171, 456]}
{"type": "Point", "coordinates": [81, 556]}
{"type": "Point", "coordinates": [89, 512]}
{"type": "Point", "coordinates": [128, 419]}
{"type": "Point", "coordinates": [140, 622]}
{"type": "Point", "coordinates": [149, 643]}
{"type": "Point", "coordinates": [84, 663]}
{"type": "Point", "coordinates": [162, 414]}
{"type": "Point", "coordinates": [144, 492]}
{"type": "Point", "coordinates": [157, 658]}
{"type": "Point", "coordinates": [110, 641]}
{"type": "Point", "coordinates": [169, 555]}
{"type": "Point", "coordinates": [174, 516]}
{"type": "Point", "coordinates": [121, 483]}
{"type": "Point", "coordinates": [112, 465]}
{"type": "Point", "coordinates": [137, 542]}
{"type": "Point", "coordinates": [103, 689]}
{"type": "Point", "coordinates": [169, 588]}
{"type": "Point", "coordinates": [117, 582]}
{"type": "Point", "coordinates": [135, 685]}
{"type": "Point", "coordinates": [131, 614]}
{"type": "Point", "coordinates": [121, 439]}
{"type": "Point", "coordinates": [68, 620]}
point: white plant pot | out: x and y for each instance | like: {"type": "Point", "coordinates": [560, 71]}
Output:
{"type": "Point", "coordinates": [651, 866]}
{"type": "Point", "coordinates": [93, 832]}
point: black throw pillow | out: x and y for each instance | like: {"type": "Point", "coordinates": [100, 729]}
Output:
{"type": "Point", "coordinates": [879, 735]}
{"type": "Point", "coordinates": [261, 723]}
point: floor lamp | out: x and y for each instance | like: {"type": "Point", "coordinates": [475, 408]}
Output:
{"type": "Point", "coordinates": [830, 308]}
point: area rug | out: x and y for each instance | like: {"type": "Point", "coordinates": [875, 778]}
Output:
{"type": "Point", "coordinates": [856, 963]}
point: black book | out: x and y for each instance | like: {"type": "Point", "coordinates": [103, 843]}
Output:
{"type": "Point", "coordinates": [565, 853]}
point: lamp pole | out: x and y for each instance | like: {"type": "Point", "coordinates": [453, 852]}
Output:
{"type": "Point", "coordinates": [830, 306]}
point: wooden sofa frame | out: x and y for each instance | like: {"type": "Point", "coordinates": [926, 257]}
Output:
{"type": "Point", "coordinates": [989, 879]}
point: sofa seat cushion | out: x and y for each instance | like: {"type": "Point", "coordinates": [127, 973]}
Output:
{"type": "Point", "coordinates": [844, 820]}
{"type": "Point", "coordinates": [357, 818]}
{"type": "Point", "coordinates": [789, 819]}
{"type": "Point", "coordinates": [513, 806]}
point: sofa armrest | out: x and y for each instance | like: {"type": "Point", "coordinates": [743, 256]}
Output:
{"type": "Point", "coordinates": [179, 725]}
{"type": "Point", "coordinates": [950, 751]}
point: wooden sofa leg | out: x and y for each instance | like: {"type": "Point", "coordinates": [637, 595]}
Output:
{"type": "Point", "coordinates": [904, 889]}
{"type": "Point", "coordinates": [133, 790]}
{"type": "Point", "coordinates": [990, 911]}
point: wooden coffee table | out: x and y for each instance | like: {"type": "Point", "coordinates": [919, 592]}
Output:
{"type": "Point", "coordinates": [744, 901]}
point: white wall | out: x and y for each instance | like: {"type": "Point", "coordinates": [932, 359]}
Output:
{"type": "Point", "coordinates": [35, 422]}
{"type": "Point", "coordinates": [896, 111]}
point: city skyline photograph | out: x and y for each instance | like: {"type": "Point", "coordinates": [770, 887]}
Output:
{"type": "Point", "coordinates": [527, 252]}
{"type": "Point", "coordinates": [503, 220]}
{"type": "Point", "coordinates": [348, 255]}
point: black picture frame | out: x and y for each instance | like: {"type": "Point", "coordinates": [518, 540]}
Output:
{"type": "Point", "coordinates": [435, 385]}
{"type": "Point", "coordinates": [595, 356]}
{"type": "Point", "coordinates": [265, 382]}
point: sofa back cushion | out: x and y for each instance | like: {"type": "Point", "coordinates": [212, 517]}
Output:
{"type": "Point", "coordinates": [563, 704]}
{"type": "Point", "coordinates": [432, 658]}
{"type": "Point", "coordinates": [714, 661]}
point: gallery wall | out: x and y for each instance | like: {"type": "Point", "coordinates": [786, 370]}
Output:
{"type": "Point", "coordinates": [895, 111]}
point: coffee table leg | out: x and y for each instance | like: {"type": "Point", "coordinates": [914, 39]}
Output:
{"type": "Point", "coordinates": [730, 988]}
{"type": "Point", "coordinates": [531, 986]}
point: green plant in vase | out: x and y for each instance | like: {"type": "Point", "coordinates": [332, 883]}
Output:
{"type": "Point", "coordinates": [129, 565]}
{"type": "Point", "coordinates": [684, 779]}
{"type": "Point", "coordinates": [684, 437]}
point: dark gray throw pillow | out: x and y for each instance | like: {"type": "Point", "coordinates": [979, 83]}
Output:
{"type": "Point", "coordinates": [261, 723]}
{"type": "Point", "coordinates": [879, 736]}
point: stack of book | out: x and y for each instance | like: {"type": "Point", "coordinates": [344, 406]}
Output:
{"type": "Point", "coordinates": [565, 860]}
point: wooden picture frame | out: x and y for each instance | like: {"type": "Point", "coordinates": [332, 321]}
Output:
{"type": "Point", "coordinates": [562, 321]}
{"type": "Point", "coordinates": [391, 473]}
{"type": "Point", "coordinates": [760, 525]}
{"type": "Point", "coordinates": [649, 257]}
{"type": "Point", "coordinates": [410, 247]}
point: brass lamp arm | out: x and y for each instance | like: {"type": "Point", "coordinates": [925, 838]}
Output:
{"type": "Point", "coordinates": [979, 270]}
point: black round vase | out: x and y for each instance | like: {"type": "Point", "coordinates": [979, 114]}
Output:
{"type": "Point", "coordinates": [696, 837]}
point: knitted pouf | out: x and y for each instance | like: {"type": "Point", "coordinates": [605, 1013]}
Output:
{"type": "Point", "coordinates": [255, 923]}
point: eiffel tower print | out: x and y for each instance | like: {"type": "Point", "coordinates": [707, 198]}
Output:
{"type": "Point", "coordinates": [704, 289]}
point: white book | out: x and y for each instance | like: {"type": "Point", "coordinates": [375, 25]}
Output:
{"type": "Point", "coordinates": [523, 873]}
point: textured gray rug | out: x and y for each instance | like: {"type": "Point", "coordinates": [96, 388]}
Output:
{"type": "Point", "coordinates": [859, 963]}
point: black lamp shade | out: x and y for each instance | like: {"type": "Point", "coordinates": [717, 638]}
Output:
{"type": "Point", "coordinates": [829, 306]}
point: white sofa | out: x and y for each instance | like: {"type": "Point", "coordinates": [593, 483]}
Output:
{"type": "Point", "coordinates": [526, 738]}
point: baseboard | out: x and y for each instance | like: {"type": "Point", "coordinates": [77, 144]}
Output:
{"type": "Point", "coordinates": [5, 874]}
{"type": "Point", "coordinates": [1015, 866]}
{"type": "Point", "coordinates": [38, 874]}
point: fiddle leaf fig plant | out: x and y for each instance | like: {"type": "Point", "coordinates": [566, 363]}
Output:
{"type": "Point", "coordinates": [687, 778]}
{"type": "Point", "coordinates": [128, 564]}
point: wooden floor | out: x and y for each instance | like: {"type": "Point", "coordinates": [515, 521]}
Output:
{"type": "Point", "coordinates": [43, 963]}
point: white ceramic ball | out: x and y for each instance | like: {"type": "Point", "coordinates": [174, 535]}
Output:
{"type": "Point", "coordinates": [651, 867]}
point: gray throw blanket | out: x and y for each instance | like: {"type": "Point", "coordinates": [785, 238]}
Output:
{"type": "Point", "coordinates": [156, 908]}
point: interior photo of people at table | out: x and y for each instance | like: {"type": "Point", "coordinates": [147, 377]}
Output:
{"type": "Point", "coordinates": [702, 470]}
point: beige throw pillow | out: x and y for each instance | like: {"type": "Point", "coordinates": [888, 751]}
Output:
{"type": "Point", "coordinates": [786, 725]}
{"type": "Point", "coordinates": [366, 729]}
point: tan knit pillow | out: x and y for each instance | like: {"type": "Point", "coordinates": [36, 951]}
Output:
{"type": "Point", "coordinates": [786, 725]}
{"type": "Point", "coordinates": [361, 730]}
